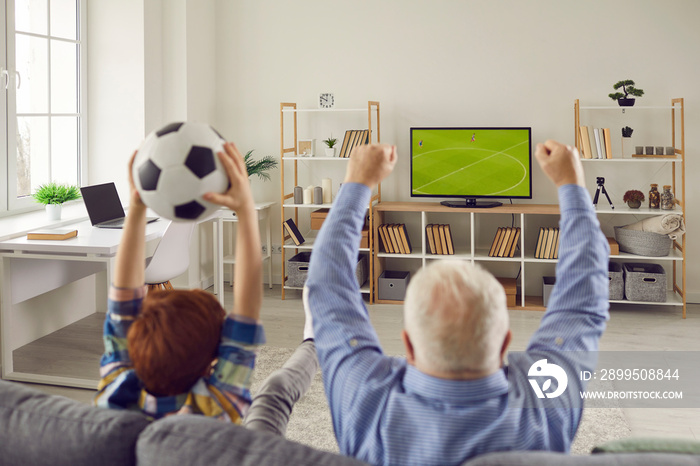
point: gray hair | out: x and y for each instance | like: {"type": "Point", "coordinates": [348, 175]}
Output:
{"type": "Point", "coordinates": [456, 317]}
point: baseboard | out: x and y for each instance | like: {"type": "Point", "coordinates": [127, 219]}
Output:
{"type": "Point", "coordinates": [693, 297]}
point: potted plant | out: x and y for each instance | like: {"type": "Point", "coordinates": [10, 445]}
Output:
{"type": "Point", "coordinates": [53, 195]}
{"type": "Point", "coordinates": [633, 198]}
{"type": "Point", "coordinates": [627, 89]}
{"type": "Point", "coordinates": [259, 167]}
{"type": "Point", "coordinates": [330, 142]}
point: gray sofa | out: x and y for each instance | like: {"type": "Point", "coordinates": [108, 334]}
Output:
{"type": "Point", "coordinates": [40, 429]}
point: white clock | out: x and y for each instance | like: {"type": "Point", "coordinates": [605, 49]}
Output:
{"type": "Point", "coordinates": [325, 100]}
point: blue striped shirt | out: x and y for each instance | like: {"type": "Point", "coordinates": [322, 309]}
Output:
{"type": "Point", "coordinates": [385, 411]}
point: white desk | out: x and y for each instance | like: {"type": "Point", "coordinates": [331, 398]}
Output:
{"type": "Point", "coordinates": [226, 216]}
{"type": "Point", "coordinates": [29, 269]}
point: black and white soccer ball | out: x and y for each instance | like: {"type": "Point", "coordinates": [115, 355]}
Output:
{"type": "Point", "coordinates": [175, 166]}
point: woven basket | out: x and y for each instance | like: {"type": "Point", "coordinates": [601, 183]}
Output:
{"type": "Point", "coordinates": [643, 243]}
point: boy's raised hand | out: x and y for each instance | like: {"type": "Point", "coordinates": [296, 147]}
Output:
{"type": "Point", "coordinates": [239, 195]}
{"type": "Point", "coordinates": [370, 164]}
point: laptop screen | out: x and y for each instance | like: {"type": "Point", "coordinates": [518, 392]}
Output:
{"type": "Point", "coordinates": [102, 202]}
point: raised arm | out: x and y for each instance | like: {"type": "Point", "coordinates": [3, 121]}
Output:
{"type": "Point", "coordinates": [247, 288]}
{"type": "Point", "coordinates": [131, 256]}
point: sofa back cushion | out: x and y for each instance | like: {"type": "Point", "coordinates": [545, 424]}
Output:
{"type": "Point", "coordinates": [191, 439]}
{"type": "Point", "coordinates": [39, 429]}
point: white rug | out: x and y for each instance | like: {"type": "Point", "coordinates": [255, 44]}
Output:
{"type": "Point", "coordinates": [310, 423]}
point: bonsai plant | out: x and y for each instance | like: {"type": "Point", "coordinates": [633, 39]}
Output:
{"type": "Point", "coordinates": [259, 167]}
{"type": "Point", "coordinates": [53, 195]}
{"type": "Point", "coordinates": [330, 142]}
{"type": "Point", "coordinates": [633, 198]}
{"type": "Point", "coordinates": [627, 89]}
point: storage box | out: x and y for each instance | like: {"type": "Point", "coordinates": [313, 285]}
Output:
{"type": "Point", "coordinates": [547, 287]}
{"type": "Point", "coordinates": [317, 218]}
{"type": "Point", "coordinates": [617, 282]}
{"type": "Point", "coordinates": [614, 247]}
{"type": "Point", "coordinates": [298, 269]}
{"type": "Point", "coordinates": [645, 282]}
{"type": "Point", "coordinates": [509, 285]}
{"type": "Point", "coordinates": [392, 285]}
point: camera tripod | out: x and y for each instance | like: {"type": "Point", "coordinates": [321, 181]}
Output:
{"type": "Point", "coordinates": [601, 187]}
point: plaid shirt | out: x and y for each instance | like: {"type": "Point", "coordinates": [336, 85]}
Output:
{"type": "Point", "coordinates": [223, 395]}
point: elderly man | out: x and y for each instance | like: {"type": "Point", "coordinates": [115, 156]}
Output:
{"type": "Point", "coordinates": [452, 397]}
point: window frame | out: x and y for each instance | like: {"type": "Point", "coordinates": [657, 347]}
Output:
{"type": "Point", "coordinates": [9, 202]}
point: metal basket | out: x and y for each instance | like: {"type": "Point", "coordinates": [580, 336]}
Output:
{"type": "Point", "coordinates": [643, 243]}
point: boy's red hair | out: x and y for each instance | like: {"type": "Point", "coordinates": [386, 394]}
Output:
{"type": "Point", "coordinates": [174, 339]}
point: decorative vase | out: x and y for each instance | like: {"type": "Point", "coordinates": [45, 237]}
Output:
{"type": "Point", "coordinates": [625, 102]}
{"type": "Point", "coordinates": [53, 211]}
{"type": "Point", "coordinates": [634, 204]}
{"type": "Point", "coordinates": [330, 151]}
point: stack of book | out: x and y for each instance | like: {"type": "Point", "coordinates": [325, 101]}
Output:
{"type": "Point", "coordinates": [547, 243]}
{"type": "Point", "coordinates": [595, 143]}
{"type": "Point", "coordinates": [353, 138]}
{"type": "Point", "coordinates": [395, 238]}
{"type": "Point", "coordinates": [439, 239]}
{"type": "Point", "coordinates": [505, 242]}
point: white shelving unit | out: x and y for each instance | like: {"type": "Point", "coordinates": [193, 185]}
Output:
{"type": "Point", "coordinates": [289, 155]}
{"type": "Point", "coordinates": [673, 166]}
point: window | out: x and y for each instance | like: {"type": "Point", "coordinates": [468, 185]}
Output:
{"type": "Point", "coordinates": [44, 56]}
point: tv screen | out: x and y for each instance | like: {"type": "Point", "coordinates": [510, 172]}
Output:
{"type": "Point", "coordinates": [471, 163]}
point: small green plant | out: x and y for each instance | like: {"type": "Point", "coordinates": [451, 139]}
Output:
{"type": "Point", "coordinates": [330, 142]}
{"type": "Point", "coordinates": [633, 195]}
{"type": "Point", "coordinates": [259, 167]}
{"type": "Point", "coordinates": [54, 193]}
{"type": "Point", "coordinates": [627, 89]}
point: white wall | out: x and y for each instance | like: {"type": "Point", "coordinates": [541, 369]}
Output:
{"type": "Point", "coordinates": [458, 63]}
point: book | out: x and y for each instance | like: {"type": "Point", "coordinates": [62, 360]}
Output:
{"type": "Point", "coordinates": [52, 234]}
{"type": "Point", "coordinates": [344, 147]}
{"type": "Point", "coordinates": [603, 153]}
{"type": "Point", "coordinates": [555, 251]}
{"type": "Point", "coordinates": [496, 240]}
{"type": "Point", "coordinates": [450, 243]}
{"type": "Point", "coordinates": [608, 143]}
{"type": "Point", "coordinates": [443, 239]}
{"type": "Point", "coordinates": [393, 239]}
{"type": "Point", "coordinates": [293, 231]}
{"type": "Point", "coordinates": [548, 248]}
{"type": "Point", "coordinates": [504, 242]}
{"type": "Point", "coordinates": [585, 142]}
{"type": "Point", "coordinates": [436, 235]}
{"type": "Point", "coordinates": [516, 238]}
{"type": "Point", "coordinates": [538, 248]}
{"type": "Point", "coordinates": [598, 147]}
{"type": "Point", "coordinates": [403, 231]}
{"type": "Point", "coordinates": [591, 143]}
{"type": "Point", "coordinates": [431, 238]}
{"type": "Point", "coordinates": [382, 236]}
{"type": "Point", "coordinates": [388, 246]}
{"type": "Point", "coordinates": [397, 236]}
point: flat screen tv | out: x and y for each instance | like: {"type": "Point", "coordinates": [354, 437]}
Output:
{"type": "Point", "coordinates": [471, 163]}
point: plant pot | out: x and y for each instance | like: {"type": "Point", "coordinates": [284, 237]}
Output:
{"type": "Point", "coordinates": [634, 204]}
{"type": "Point", "coordinates": [53, 211]}
{"type": "Point", "coordinates": [626, 102]}
{"type": "Point", "coordinates": [330, 151]}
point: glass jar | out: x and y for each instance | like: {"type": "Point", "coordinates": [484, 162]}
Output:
{"type": "Point", "coordinates": [654, 197]}
{"type": "Point", "coordinates": [667, 198]}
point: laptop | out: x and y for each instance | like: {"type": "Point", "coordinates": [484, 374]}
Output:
{"type": "Point", "coordinates": [104, 207]}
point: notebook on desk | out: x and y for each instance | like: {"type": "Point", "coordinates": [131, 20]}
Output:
{"type": "Point", "coordinates": [104, 207]}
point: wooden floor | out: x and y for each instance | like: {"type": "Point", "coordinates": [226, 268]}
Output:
{"type": "Point", "coordinates": [76, 350]}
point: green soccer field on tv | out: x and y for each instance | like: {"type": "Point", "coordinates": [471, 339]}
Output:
{"type": "Point", "coordinates": [471, 162]}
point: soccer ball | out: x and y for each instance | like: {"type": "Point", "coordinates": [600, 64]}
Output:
{"type": "Point", "coordinates": [175, 166]}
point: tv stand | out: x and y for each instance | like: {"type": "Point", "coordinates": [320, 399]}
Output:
{"type": "Point", "coordinates": [471, 204]}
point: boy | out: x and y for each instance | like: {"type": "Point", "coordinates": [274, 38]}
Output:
{"type": "Point", "coordinates": [177, 352]}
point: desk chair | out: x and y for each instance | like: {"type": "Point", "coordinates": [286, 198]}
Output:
{"type": "Point", "coordinates": [171, 257]}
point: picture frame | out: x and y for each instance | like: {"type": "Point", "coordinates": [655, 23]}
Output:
{"type": "Point", "coordinates": [305, 147]}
